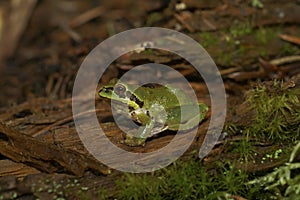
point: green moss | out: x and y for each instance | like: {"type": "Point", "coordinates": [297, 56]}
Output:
{"type": "Point", "coordinates": [103, 193]}
{"type": "Point", "coordinates": [274, 113]}
{"type": "Point", "coordinates": [184, 180]}
{"type": "Point", "coordinates": [245, 149]}
{"type": "Point", "coordinates": [232, 180]}
{"type": "Point", "coordinates": [225, 59]}
{"type": "Point", "coordinates": [149, 51]}
{"type": "Point", "coordinates": [265, 35]}
{"type": "Point", "coordinates": [208, 39]}
{"type": "Point", "coordinates": [231, 128]}
{"type": "Point", "coordinates": [241, 42]}
{"type": "Point", "coordinates": [189, 179]}
{"type": "Point", "coordinates": [289, 49]}
{"type": "Point", "coordinates": [241, 29]}
{"type": "Point", "coordinates": [233, 45]}
{"type": "Point", "coordinates": [82, 195]}
{"type": "Point", "coordinates": [136, 187]}
{"type": "Point", "coordinates": [277, 111]}
{"type": "Point", "coordinates": [263, 52]}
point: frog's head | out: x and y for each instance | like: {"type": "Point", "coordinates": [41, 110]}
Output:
{"type": "Point", "coordinates": [120, 92]}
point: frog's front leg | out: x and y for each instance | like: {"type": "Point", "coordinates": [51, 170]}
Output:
{"type": "Point", "coordinates": [143, 131]}
{"type": "Point", "coordinates": [141, 136]}
{"type": "Point", "coordinates": [153, 121]}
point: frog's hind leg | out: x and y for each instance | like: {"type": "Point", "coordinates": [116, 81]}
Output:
{"type": "Point", "coordinates": [140, 137]}
{"type": "Point", "coordinates": [142, 133]}
{"type": "Point", "coordinates": [203, 109]}
{"type": "Point", "coordinates": [134, 141]}
{"type": "Point", "coordinates": [190, 118]}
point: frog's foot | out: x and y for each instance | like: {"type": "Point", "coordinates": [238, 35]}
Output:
{"type": "Point", "coordinates": [134, 141]}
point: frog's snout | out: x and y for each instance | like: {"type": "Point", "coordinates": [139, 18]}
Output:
{"type": "Point", "coordinates": [101, 90]}
{"type": "Point", "coordinates": [105, 90]}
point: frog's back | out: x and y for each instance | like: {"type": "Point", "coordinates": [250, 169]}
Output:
{"type": "Point", "coordinates": [165, 96]}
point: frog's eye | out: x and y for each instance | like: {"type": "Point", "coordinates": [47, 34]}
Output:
{"type": "Point", "coordinates": [120, 90]}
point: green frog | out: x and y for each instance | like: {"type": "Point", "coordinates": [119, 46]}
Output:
{"type": "Point", "coordinates": [154, 107]}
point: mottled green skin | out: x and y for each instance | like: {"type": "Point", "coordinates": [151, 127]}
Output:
{"type": "Point", "coordinates": [155, 108]}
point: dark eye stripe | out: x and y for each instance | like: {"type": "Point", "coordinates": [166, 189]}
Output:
{"type": "Point", "coordinates": [106, 89]}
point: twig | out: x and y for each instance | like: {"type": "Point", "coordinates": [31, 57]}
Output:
{"type": "Point", "coordinates": [284, 60]}
{"type": "Point", "coordinates": [237, 197]}
{"type": "Point", "coordinates": [85, 17]}
{"type": "Point", "coordinates": [72, 33]}
{"type": "Point", "coordinates": [181, 20]}
{"type": "Point", "coordinates": [64, 86]}
{"type": "Point", "coordinates": [290, 38]}
{"type": "Point", "coordinates": [229, 71]}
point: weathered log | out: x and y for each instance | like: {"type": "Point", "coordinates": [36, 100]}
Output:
{"type": "Point", "coordinates": [44, 156]}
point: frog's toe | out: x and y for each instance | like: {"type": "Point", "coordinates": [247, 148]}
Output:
{"type": "Point", "coordinates": [134, 141]}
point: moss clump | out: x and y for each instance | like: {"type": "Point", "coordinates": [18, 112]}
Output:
{"type": "Point", "coordinates": [240, 29]}
{"type": "Point", "coordinates": [271, 115]}
{"type": "Point", "coordinates": [208, 39]}
{"type": "Point", "coordinates": [265, 35]}
{"type": "Point", "coordinates": [277, 112]}
{"type": "Point", "coordinates": [185, 180]}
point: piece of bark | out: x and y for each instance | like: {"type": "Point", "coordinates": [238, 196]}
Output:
{"type": "Point", "coordinates": [44, 156]}
{"type": "Point", "coordinates": [10, 168]}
